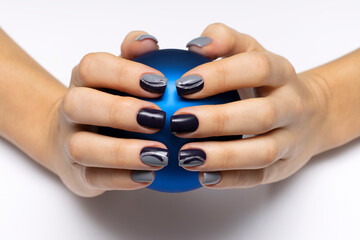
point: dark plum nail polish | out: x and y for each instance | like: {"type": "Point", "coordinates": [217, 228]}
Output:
{"type": "Point", "coordinates": [189, 84]}
{"type": "Point", "coordinates": [191, 157]}
{"type": "Point", "coordinates": [154, 156]}
{"type": "Point", "coordinates": [153, 83]}
{"type": "Point", "coordinates": [183, 123]}
{"type": "Point", "coordinates": [151, 118]}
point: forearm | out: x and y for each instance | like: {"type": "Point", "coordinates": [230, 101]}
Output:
{"type": "Point", "coordinates": [27, 96]}
{"type": "Point", "coordinates": [339, 83]}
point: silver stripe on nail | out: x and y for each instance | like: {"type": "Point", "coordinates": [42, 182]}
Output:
{"type": "Point", "coordinates": [146, 36]}
{"type": "Point", "coordinates": [154, 80]}
{"type": "Point", "coordinates": [199, 42]}
{"type": "Point", "coordinates": [189, 82]}
{"type": "Point", "coordinates": [154, 158]}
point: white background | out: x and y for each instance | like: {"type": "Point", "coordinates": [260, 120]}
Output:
{"type": "Point", "coordinates": [319, 202]}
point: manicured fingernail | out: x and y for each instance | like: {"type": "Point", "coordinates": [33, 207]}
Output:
{"type": "Point", "coordinates": [146, 36]}
{"type": "Point", "coordinates": [142, 176]}
{"type": "Point", "coordinates": [199, 42]}
{"type": "Point", "coordinates": [191, 157]}
{"type": "Point", "coordinates": [154, 156]}
{"type": "Point", "coordinates": [153, 83]}
{"type": "Point", "coordinates": [189, 84]}
{"type": "Point", "coordinates": [151, 118]}
{"type": "Point", "coordinates": [183, 123]}
{"type": "Point", "coordinates": [211, 178]}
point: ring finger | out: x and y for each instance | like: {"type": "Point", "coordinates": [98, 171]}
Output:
{"type": "Point", "coordinates": [94, 150]}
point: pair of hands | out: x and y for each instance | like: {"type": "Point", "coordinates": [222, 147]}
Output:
{"type": "Point", "coordinates": [286, 118]}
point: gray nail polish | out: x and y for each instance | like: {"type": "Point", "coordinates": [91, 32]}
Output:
{"type": "Point", "coordinates": [199, 42]}
{"type": "Point", "coordinates": [154, 156]}
{"type": "Point", "coordinates": [189, 84]}
{"type": "Point", "coordinates": [146, 36]}
{"type": "Point", "coordinates": [211, 178]}
{"type": "Point", "coordinates": [153, 83]}
{"type": "Point", "coordinates": [142, 176]}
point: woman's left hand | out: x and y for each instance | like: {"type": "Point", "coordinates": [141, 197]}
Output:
{"type": "Point", "coordinates": [287, 117]}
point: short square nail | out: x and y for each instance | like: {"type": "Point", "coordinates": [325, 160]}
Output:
{"type": "Point", "coordinates": [183, 123]}
{"type": "Point", "coordinates": [153, 83]}
{"type": "Point", "coordinates": [146, 36]}
{"type": "Point", "coordinates": [211, 178]}
{"type": "Point", "coordinates": [191, 157]}
{"type": "Point", "coordinates": [189, 84]}
{"type": "Point", "coordinates": [199, 42]}
{"type": "Point", "coordinates": [151, 118]}
{"type": "Point", "coordinates": [142, 176]}
{"type": "Point", "coordinates": [154, 156]}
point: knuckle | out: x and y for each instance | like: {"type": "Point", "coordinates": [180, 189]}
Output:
{"type": "Point", "coordinates": [289, 68]}
{"type": "Point", "coordinates": [117, 153]}
{"type": "Point", "coordinates": [115, 110]}
{"type": "Point", "coordinates": [271, 152]}
{"type": "Point", "coordinates": [267, 116]}
{"type": "Point", "coordinates": [69, 101]}
{"type": "Point", "coordinates": [263, 65]}
{"type": "Point", "coordinates": [74, 148]}
{"type": "Point", "coordinates": [220, 121]}
{"type": "Point", "coordinates": [221, 74]}
{"type": "Point", "coordinates": [299, 109]}
{"type": "Point", "coordinates": [85, 65]}
{"type": "Point", "coordinates": [120, 72]}
{"type": "Point", "coordinates": [258, 177]}
{"type": "Point", "coordinates": [227, 158]}
{"type": "Point", "coordinates": [248, 178]}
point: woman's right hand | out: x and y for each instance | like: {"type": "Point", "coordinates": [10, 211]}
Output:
{"type": "Point", "coordinates": [89, 163]}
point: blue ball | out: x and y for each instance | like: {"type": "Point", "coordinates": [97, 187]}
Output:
{"type": "Point", "coordinates": [173, 64]}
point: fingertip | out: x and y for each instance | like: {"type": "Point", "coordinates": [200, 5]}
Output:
{"type": "Point", "coordinates": [142, 177]}
{"type": "Point", "coordinates": [210, 179]}
{"type": "Point", "coordinates": [137, 43]}
{"type": "Point", "coordinates": [146, 37]}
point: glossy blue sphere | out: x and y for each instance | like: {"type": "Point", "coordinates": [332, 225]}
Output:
{"type": "Point", "coordinates": [173, 64]}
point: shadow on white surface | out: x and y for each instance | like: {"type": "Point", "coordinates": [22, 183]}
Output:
{"type": "Point", "coordinates": [201, 214]}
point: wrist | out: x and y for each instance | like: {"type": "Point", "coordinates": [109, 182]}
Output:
{"type": "Point", "coordinates": [319, 96]}
{"type": "Point", "coordinates": [50, 132]}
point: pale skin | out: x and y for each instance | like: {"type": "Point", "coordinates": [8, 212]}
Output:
{"type": "Point", "coordinates": [294, 117]}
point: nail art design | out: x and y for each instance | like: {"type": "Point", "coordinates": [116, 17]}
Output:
{"type": "Point", "coordinates": [154, 156]}
{"type": "Point", "coordinates": [183, 123]}
{"type": "Point", "coordinates": [146, 36]}
{"type": "Point", "coordinates": [142, 176]}
{"type": "Point", "coordinates": [191, 157]}
{"type": "Point", "coordinates": [211, 178]}
{"type": "Point", "coordinates": [199, 42]}
{"type": "Point", "coordinates": [153, 83]}
{"type": "Point", "coordinates": [151, 118]}
{"type": "Point", "coordinates": [189, 84]}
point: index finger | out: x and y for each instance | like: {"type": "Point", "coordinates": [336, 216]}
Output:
{"type": "Point", "coordinates": [219, 40]}
{"type": "Point", "coordinates": [244, 70]}
{"type": "Point", "coordinates": [104, 70]}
